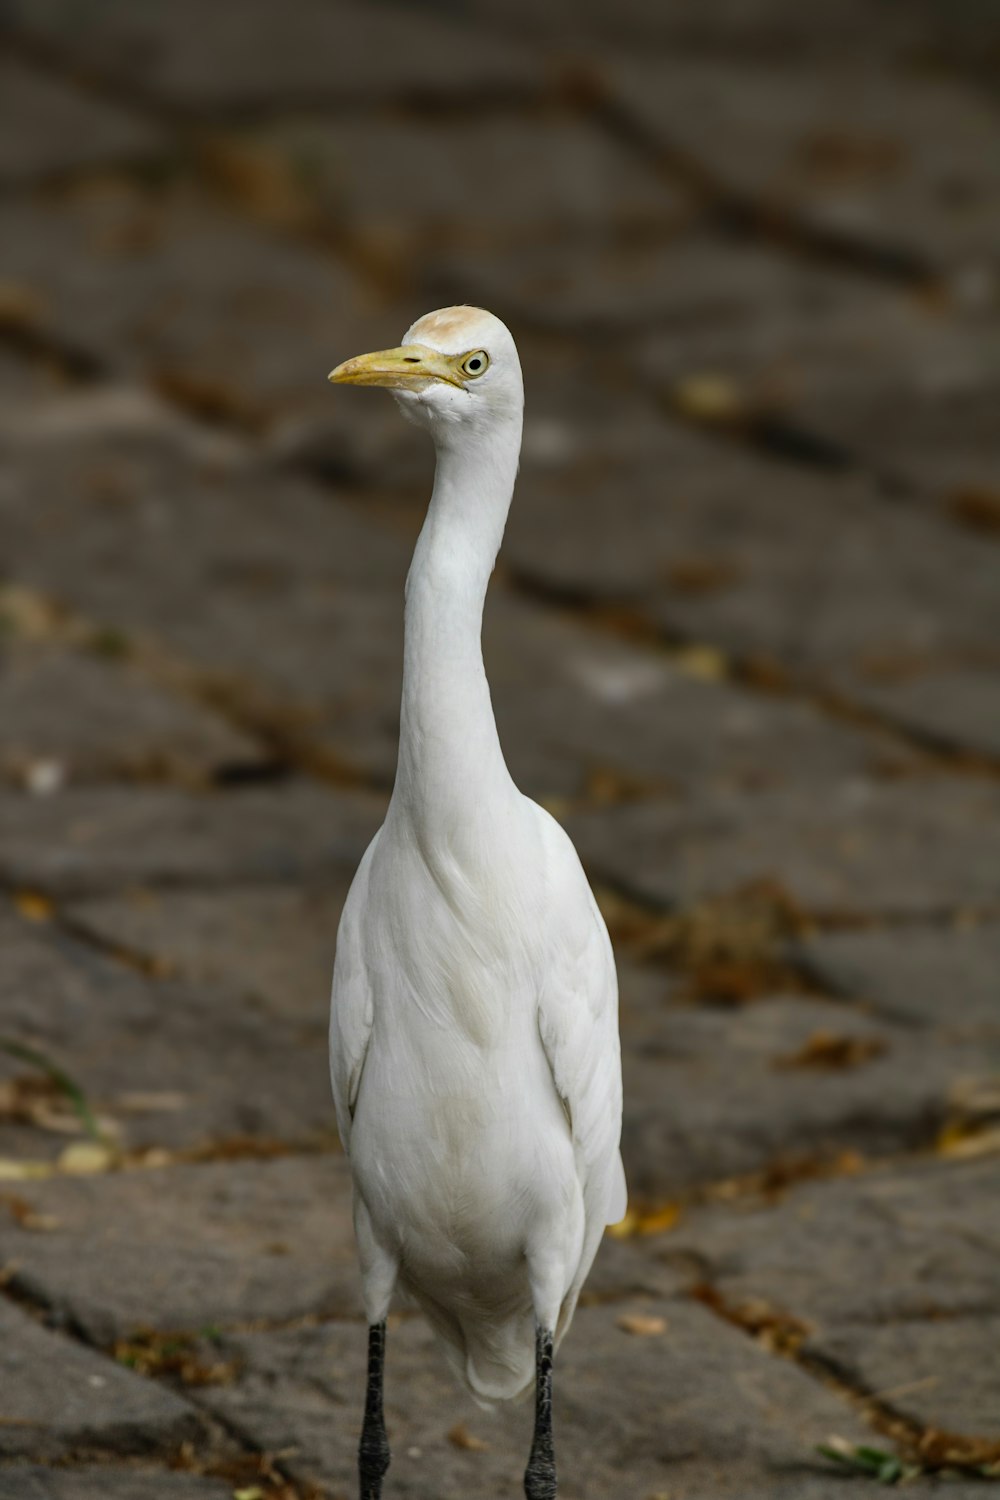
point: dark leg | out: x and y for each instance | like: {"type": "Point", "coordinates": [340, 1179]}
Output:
{"type": "Point", "coordinates": [540, 1475]}
{"type": "Point", "coordinates": [373, 1454]}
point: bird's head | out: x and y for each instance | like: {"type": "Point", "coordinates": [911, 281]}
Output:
{"type": "Point", "coordinates": [455, 369]}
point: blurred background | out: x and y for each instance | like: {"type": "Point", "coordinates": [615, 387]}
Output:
{"type": "Point", "coordinates": [744, 641]}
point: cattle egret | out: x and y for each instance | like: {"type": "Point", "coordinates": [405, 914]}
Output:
{"type": "Point", "coordinates": [474, 1021]}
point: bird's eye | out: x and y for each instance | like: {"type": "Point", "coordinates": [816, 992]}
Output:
{"type": "Point", "coordinates": [475, 364]}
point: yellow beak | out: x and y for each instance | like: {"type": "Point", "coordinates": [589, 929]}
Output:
{"type": "Point", "coordinates": [410, 367]}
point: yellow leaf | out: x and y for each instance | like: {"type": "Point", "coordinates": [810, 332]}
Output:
{"type": "Point", "coordinates": [642, 1325]}
{"type": "Point", "coordinates": [703, 663]}
{"type": "Point", "coordinates": [460, 1437]}
{"type": "Point", "coordinates": [709, 398]}
{"type": "Point", "coordinates": [962, 1141]}
{"type": "Point", "coordinates": [659, 1219]}
{"type": "Point", "coordinates": [86, 1158]}
{"type": "Point", "coordinates": [645, 1221]}
{"type": "Point", "coordinates": [625, 1228]}
{"type": "Point", "coordinates": [33, 906]}
{"type": "Point", "coordinates": [21, 305]}
{"type": "Point", "coordinates": [24, 1171]}
{"type": "Point", "coordinates": [36, 1223]}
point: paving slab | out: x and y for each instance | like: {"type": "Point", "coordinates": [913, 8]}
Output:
{"type": "Point", "coordinates": [862, 848]}
{"type": "Point", "coordinates": [689, 292]}
{"type": "Point", "coordinates": [27, 378]}
{"type": "Point", "coordinates": [580, 710]}
{"type": "Point", "coordinates": [829, 1487]}
{"type": "Point", "coordinates": [698, 1397]}
{"type": "Point", "coordinates": [713, 1093]}
{"type": "Point", "coordinates": [766, 30]}
{"type": "Point", "coordinates": [584, 414]}
{"type": "Point", "coordinates": [899, 385]}
{"type": "Point", "coordinates": [610, 525]}
{"type": "Point", "coordinates": [901, 161]}
{"type": "Point", "coordinates": [908, 615]}
{"type": "Point", "coordinates": [941, 1375]}
{"type": "Point", "coordinates": [407, 184]}
{"type": "Point", "coordinates": [258, 580]}
{"type": "Point", "coordinates": [78, 716]}
{"type": "Point", "coordinates": [901, 1247]}
{"type": "Point", "coordinates": [934, 977]}
{"type": "Point", "coordinates": [100, 1482]}
{"type": "Point", "coordinates": [950, 704]}
{"type": "Point", "coordinates": [910, 400]}
{"type": "Point", "coordinates": [780, 549]}
{"type": "Point", "coordinates": [47, 127]}
{"type": "Point", "coordinates": [249, 57]}
{"type": "Point", "coordinates": [160, 1084]}
{"type": "Point", "coordinates": [70, 408]}
{"type": "Point", "coordinates": [625, 1271]}
{"type": "Point", "coordinates": [184, 1248]}
{"type": "Point", "coordinates": [173, 286]}
{"type": "Point", "coordinates": [62, 1399]}
{"type": "Point", "coordinates": [90, 839]}
{"type": "Point", "coordinates": [760, 558]}
{"type": "Point", "coordinates": [273, 944]}
{"type": "Point", "coordinates": [915, 407]}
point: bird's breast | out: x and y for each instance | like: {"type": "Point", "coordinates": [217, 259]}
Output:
{"type": "Point", "coordinates": [460, 1155]}
{"type": "Point", "coordinates": [456, 947]}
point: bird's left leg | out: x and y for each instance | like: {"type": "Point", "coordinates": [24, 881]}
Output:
{"type": "Point", "coordinates": [373, 1453]}
{"type": "Point", "coordinates": [540, 1475]}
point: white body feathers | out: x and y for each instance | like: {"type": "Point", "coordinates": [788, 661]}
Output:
{"type": "Point", "coordinates": [474, 1042]}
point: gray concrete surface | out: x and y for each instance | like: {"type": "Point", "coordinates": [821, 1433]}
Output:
{"type": "Point", "coordinates": [744, 640]}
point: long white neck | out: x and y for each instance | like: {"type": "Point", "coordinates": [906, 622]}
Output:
{"type": "Point", "coordinates": [451, 770]}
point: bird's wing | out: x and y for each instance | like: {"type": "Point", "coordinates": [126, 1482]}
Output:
{"type": "Point", "coordinates": [351, 1002]}
{"type": "Point", "coordinates": [578, 1025]}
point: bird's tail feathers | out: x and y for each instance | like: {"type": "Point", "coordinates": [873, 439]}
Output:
{"type": "Point", "coordinates": [494, 1361]}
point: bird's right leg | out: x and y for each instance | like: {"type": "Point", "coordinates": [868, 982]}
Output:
{"type": "Point", "coordinates": [373, 1453]}
{"type": "Point", "coordinates": [540, 1475]}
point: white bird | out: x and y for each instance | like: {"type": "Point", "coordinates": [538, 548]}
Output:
{"type": "Point", "coordinates": [474, 1022]}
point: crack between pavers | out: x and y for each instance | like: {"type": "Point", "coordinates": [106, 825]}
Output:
{"type": "Point", "coordinates": [63, 1325]}
{"type": "Point", "coordinates": [765, 429]}
{"type": "Point", "coordinates": [33, 1303]}
{"type": "Point", "coordinates": [269, 722]}
{"type": "Point", "coordinates": [931, 1447]}
{"type": "Point", "coordinates": [782, 1335]}
{"type": "Point", "coordinates": [756, 1191]}
{"type": "Point", "coordinates": [759, 1191]}
{"type": "Point", "coordinates": [249, 1467]}
{"type": "Point", "coordinates": [742, 212]}
{"type": "Point", "coordinates": [30, 341]}
{"type": "Point", "coordinates": [916, 1317]}
{"type": "Point", "coordinates": [814, 920]}
{"type": "Point", "coordinates": [47, 59]}
{"type": "Point", "coordinates": [108, 87]}
{"type": "Point", "coordinates": [118, 1160]}
{"type": "Point", "coordinates": [254, 1464]}
{"type": "Point", "coordinates": [763, 677]}
{"type": "Point", "coordinates": [44, 1310]}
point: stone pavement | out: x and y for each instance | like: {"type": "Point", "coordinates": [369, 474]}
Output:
{"type": "Point", "coordinates": [744, 641]}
